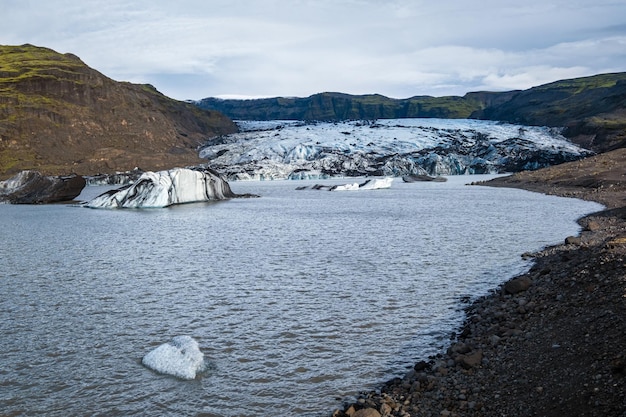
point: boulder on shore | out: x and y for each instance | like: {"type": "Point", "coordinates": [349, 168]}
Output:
{"type": "Point", "coordinates": [31, 187]}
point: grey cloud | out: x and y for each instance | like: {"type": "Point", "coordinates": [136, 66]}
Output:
{"type": "Point", "coordinates": [400, 48]}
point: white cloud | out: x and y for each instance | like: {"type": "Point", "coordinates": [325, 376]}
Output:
{"type": "Point", "coordinates": [400, 48]}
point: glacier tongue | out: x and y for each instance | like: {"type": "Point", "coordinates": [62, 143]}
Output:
{"type": "Point", "coordinates": [391, 147]}
{"type": "Point", "coordinates": [165, 188]}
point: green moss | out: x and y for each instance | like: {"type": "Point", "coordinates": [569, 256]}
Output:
{"type": "Point", "coordinates": [612, 123]}
{"type": "Point", "coordinates": [20, 159]}
{"type": "Point", "coordinates": [27, 62]}
{"type": "Point", "coordinates": [578, 85]}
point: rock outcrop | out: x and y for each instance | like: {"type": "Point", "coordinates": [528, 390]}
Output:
{"type": "Point", "coordinates": [166, 188]}
{"type": "Point", "coordinates": [31, 187]}
{"type": "Point", "coordinates": [57, 116]}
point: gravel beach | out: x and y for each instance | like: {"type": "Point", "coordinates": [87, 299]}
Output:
{"type": "Point", "coordinates": [551, 342]}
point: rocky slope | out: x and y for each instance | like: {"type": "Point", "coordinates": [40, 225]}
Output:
{"type": "Point", "coordinates": [59, 116]}
{"type": "Point", "coordinates": [593, 109]}
{"type": "Point", "coordinates": [339, 106]}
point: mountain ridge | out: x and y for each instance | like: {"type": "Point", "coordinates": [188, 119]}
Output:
{"type": "Point", "coordinates": [591, 109]}
{"type": "Point", "coordinates": [57, 116]}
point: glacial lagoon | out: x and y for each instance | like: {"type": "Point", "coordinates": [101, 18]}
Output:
{"type": "Point", "coordinates": [298, 300]}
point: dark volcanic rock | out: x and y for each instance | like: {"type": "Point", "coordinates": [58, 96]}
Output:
{"type": "Point", "coordinates": [30, 187]}
{"type": "Point", "coordinates": [517, 285]}
{"type": "Point", "coordinates": [422, 178]}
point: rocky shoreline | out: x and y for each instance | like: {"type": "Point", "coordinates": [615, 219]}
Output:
{"type": "Point", "coordinates": [551, 342]}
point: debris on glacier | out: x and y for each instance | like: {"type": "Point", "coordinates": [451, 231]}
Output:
{"type": "Point", "coordinates": [389, 147]}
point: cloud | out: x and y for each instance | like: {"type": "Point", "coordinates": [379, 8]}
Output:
{"type": "Point", "coordinates": [400, 48]}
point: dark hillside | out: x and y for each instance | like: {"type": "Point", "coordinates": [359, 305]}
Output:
{"type": "Point", "coordinates": [593, 109]}
{"type": "Point", "coordinates": [339, 106]}
{"type": "Point", "coordinates": [58, 116]}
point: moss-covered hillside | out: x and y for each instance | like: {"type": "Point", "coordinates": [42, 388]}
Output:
{"type": "Point", "coordinates": [58, 116]}
{"type": "Point", "coordinates": [339, 106]}
{"type": "Point", "coordinates": [593, 109]}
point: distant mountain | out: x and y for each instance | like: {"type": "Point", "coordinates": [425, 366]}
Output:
{"type": "Point", "coordinates": [592, 109]}
{"type": "Point", "coordinates": [339, 106]}
{"type": "Point", "coordinates": [58, 116]}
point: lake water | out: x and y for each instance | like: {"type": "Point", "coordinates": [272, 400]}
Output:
{"type": "Point", "coordinates": [298, 299]}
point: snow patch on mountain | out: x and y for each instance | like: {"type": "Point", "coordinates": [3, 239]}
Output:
{"type": "Point", "coordinates": [390, 147]}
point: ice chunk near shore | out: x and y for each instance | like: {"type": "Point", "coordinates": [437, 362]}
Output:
{"type": "Point", "coordinates": [180, 357]}
{"type": "Point", "coordinates": [166, 188]}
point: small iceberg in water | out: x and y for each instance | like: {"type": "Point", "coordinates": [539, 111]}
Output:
{"type": "Point", "coordinates": [376, 184]}
{"type": "Point", "coordinates": [372, 184]}
{"type": "Point", "coordinates": [180, 357]}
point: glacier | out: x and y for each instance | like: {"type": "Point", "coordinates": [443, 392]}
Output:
{"type": "Point", "coordinates": [181, 357]}
{"type": "Point", "coordinates": [166, 188]}
{"type": "Point", "coordinates": [282, 149]}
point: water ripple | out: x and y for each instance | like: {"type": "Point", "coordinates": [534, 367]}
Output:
{"type": "Point", "coordinates": [296, 298]}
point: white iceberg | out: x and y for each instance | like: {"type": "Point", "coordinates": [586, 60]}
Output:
{"type": "Point", "coordinates": [346, 187]}
{"type": "Point", "coordinates": [374, 184]}
{"type": "Point", "coordinates": [181, 357]}
{"type": "Point", "coordinates": [165, 188]}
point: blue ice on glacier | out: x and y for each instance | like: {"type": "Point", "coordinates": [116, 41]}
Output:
{"type": "Point", "coordinates": [373, 184]}
{"type": "Point", "coordinates": [389, 147]}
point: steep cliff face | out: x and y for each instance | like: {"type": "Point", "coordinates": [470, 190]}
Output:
{"type": "Point", "coordinates": [58, 116]}
{"type": "Point", "coordinates": [339, 106]}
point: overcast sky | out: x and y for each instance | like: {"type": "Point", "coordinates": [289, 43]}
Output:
{"type": "Point", "coordinates": [191, 49]}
